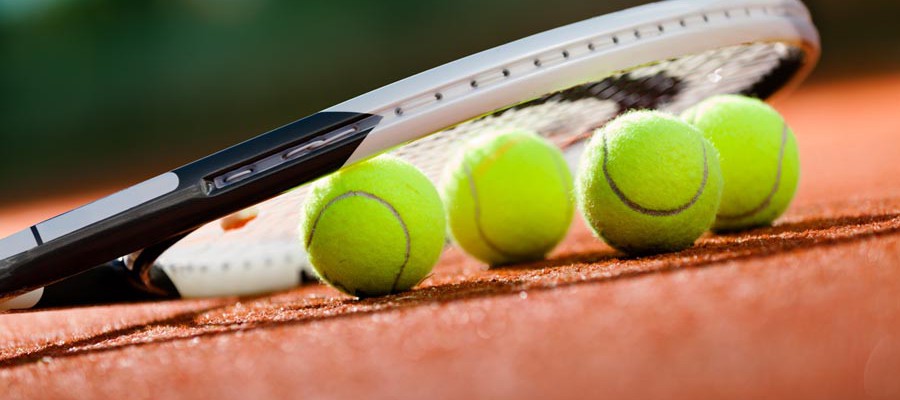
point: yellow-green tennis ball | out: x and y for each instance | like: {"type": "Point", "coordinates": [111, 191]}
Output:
{"type": "Point", "coordinates": [759, 157]}
{"type": "Point", "coordinates": [374, 228]}
{"type": "Point", "coordinates": [649, 183]}
{"type": "Point", "coordinates": [508, 197]}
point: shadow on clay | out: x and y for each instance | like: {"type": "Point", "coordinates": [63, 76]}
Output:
{"type": "Point", "coordinates": [611, 266]}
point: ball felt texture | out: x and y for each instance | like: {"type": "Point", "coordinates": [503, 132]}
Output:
{"type": "Point", "coordinates": [759, 158]}
{"type": "Point", "coordinates": [374, 228]}
{"type": "Point", "coordinates": [508, 195]}
{"type": "Point", "coordinates": [649, 182]}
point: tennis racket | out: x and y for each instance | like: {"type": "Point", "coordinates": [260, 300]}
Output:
{"type": "Point", "coordinates": [167, 236]}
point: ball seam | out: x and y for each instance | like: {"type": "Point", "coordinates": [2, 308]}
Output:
{"type": "Point", "coordinates": [768, 200]}
{"type": "Point", "coordinates": [383, 202]}
{"type": "Point", "coordinates": [634, 206]}
{"type": "Point", "coordinates": [477, 216]}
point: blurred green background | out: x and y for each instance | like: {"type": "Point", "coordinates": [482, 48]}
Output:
{"type": "Point", "coordinates": [105, 93]}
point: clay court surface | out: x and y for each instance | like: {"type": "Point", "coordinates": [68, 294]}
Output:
{"type": "Point", "coordinates": [809, 308]}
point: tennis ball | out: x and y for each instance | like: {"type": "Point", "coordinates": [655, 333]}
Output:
{"type": "Point", "coordinates": [759, 158]}
{"type": "Point", "coordinates": [374, 228]}
{"type": "Point", "coordinates": [508, 197]}
{"type": "Point", "coordinates": [649, 182]}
